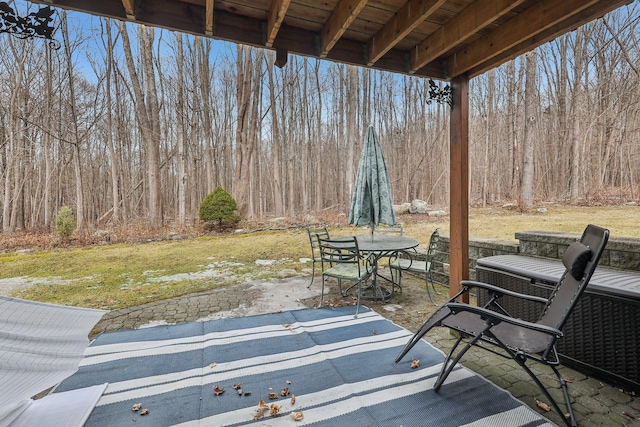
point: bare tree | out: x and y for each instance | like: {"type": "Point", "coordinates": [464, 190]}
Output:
{"type": "Point", "coordinates": [275, 144]}
{"type": "Point", "coordinates": [147, 114]}
{"type": "Point", "coordinates": [530, 100]}
{"type": "Point", "coordinates": [180, 132]}
{"type": "Point", "coordinates": [577, 103]}
{"type": "Point", "coordinates": [14, 139]}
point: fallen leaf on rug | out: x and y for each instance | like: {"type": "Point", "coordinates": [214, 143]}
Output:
{"type": "Point", "coordinates": [217, 390]}
{"type": "Point", "coordinates": [297, 416]}
{"type": "Point", "coordinates": [274, 409]}
{"type": "Point", "coordinates": [273, 395]}
{"type": "Point", "coordinates": [415, 363]}
{"type": "Point", "coordinates": [284, 391]}
{"type": "Point", "coordinates": [260, 409]}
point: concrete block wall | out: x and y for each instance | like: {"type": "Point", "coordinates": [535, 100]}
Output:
{"type": "Point", "coordinates": [478, 248]}
{"type": "Point", "coordinates": [621, 252]}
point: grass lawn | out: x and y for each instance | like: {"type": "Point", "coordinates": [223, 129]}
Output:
{"type": "Point", "coordinates": [122, 275]}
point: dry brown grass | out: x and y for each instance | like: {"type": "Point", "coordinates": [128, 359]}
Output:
{"type": "Point", "coordinates": [501, 223]}
{"type": "Point", "coordinates": [491, 222]}
{"type": "Point", "coordinates": [110, 275]}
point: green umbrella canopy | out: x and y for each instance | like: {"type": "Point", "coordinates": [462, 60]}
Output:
{"type": "Point", "coordinates": [371, 203]}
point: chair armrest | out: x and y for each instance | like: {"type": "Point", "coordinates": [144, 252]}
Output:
{"type": "Point", "coordinates": [468, 284]}
{"type": "Point", "coordinates": [497, 318]}
{"type": "Point", "coordinates": [368, 262]}
{"type": "Point", "coordinates": [405, 262]}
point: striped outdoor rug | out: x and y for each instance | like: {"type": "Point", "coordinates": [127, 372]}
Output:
{"type": "Point", "coordinates": [340, 369]}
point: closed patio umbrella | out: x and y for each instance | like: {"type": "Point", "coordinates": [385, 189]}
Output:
{"type": "Point", "coordinates": [371, 203]}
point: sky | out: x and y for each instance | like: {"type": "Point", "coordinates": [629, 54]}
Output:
{"type": "Point", "coordinates": [85, 28]}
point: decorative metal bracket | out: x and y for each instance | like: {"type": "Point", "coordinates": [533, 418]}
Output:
{"type": "Point", "coordinates": [438, 95]}
{"type": "Point", "coordinates": [34, 25]}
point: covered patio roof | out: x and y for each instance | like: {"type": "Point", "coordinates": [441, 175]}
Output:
{"type": "Point", "coordinates": [451, 40]}
{"type": "Point", "coordinates": [441, 39]}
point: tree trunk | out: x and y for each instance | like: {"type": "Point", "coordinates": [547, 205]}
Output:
{"type": "Point", "coordinates": [512, 135]}
{"type": "Point", "coordinates": [530, 101]}
{"type": "Point", "coordinates": [148, 117]}
{"type": "Point", "coordinates": [275, 141]}
{"type": "Point", "coordinates": [351, 141]}
{"type": "Point", "coordinates": [246, 116]}
{"type": "Point", "coordinates": [577, 103]}
{"type": "Point", "coordinates": [115, 195]}
{"type": "Point", "coordinates": [14, 134]}
{"type": "Point", "coordinates": [77, 161]}
{"type": "Point", "coordinates": [180, 131]}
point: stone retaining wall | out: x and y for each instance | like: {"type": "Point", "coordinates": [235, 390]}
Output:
{"type": "Point", "coordinates": [621, 252]}
{"type": "Point", "coordinates": [478, 248]}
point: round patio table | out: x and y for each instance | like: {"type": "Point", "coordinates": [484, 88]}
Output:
{"type": "Point", "coordinates": [382, 246]}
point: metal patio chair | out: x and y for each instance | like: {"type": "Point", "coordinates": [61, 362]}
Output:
{"type": "Point", "coordinates": [346, 262]}
{"type": "Point", "coordinates": [390, 230]}
{"type": "Point", "coordinates": [412, 265]}
{"type": "Point", "coordinates": [491, 326]}
{"type": "Point", "coordinates": [315, 248]}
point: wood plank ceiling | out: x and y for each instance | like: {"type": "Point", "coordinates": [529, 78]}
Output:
{"type": "Point", "coordinates": [441, 39]}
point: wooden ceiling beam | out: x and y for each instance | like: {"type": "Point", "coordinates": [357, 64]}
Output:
{"type": "Point", "coordinates": [129, 9]}
{"type": "Point", "coordinates": [538, 18]}
{"type": "Point", "coordinates": [476, 16]}
{"type": "Point", "coordinates": [245, 30]}
{"type": "Point", "coordinates": [587, 15]}
{"type": "Point", "coordinates": [341, 18]}
{"type": "Point", "coordinates": [208, 17]}
{"type": "Point", "coordinates": [277, 12]}
{"type": "Point", "coordinates": [412, 14]}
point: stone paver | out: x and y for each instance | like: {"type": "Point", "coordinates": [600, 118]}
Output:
{"type": "Point", "coordinates": [596, 402]}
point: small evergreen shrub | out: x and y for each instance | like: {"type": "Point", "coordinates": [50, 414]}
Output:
{"type": "Point", "coordinates": [219, 208]}
{"type": "Point", "coordinates": [65, 223]}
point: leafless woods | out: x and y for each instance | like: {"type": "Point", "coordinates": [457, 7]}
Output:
{"type": "Point", "coordinates": [126, 123]}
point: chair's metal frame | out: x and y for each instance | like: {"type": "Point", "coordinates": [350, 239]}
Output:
{"type": "Point", "coordinates": [315, 248]}
{"type": "Point", "coordinates": [345, 262]}
{"type": "Point", "coordinates": [515, 338]}
{"type": "Point", "coordinates": [392, 230]}
{"type": "Point", "coordinates": [407, 264]}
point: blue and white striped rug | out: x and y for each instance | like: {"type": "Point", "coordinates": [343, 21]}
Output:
{"type": "Point", "coordinates": [340, 369]}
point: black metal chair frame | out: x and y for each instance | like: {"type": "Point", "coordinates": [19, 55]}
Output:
{"type": "Point", "coordinates": [515, 338]}
{"type": "Point", "coordinates": [390, 230]}
{"type": "Point", "coordinates": [408, 263]}
{"type": "Point", "coordinates": [315, 248]}
{"type": "Point", "coordinates": [394, 230]}
{"type": "Point", "coordinates": [345, 262]}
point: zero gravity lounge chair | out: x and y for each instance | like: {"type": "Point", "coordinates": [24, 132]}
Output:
{"type": "Point", "coordinates": [491, 326]}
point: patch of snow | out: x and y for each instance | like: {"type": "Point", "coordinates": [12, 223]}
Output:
{"type": "Point", "coordinates": [155, 323]}
{"type": "Point", "coordinates": [272, 297]}
{"type": "Point", "coordinates": [391, 307]}
{"type": "Point", "coordinates": [11, 283]}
